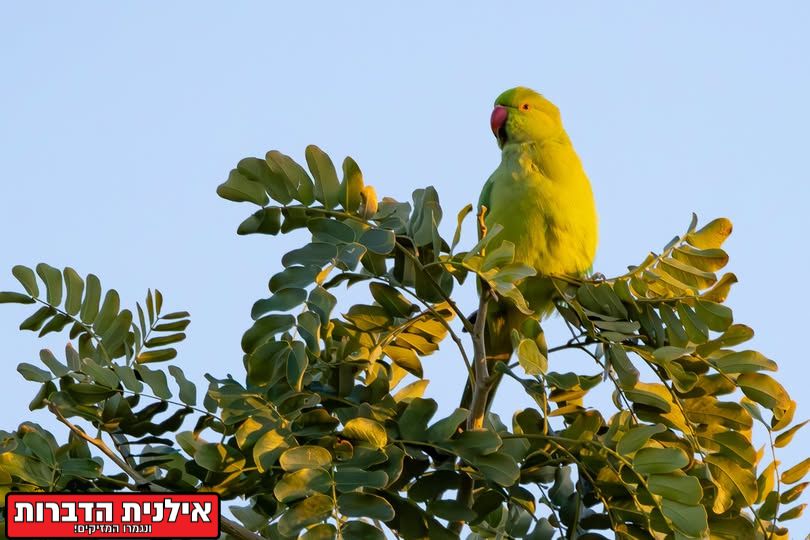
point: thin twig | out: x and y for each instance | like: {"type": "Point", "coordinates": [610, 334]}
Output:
{"type": "Point", "coordinates": [228, 526]}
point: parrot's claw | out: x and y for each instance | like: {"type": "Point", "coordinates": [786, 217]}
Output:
{"type": "Point", "coordinates": [598, 276]}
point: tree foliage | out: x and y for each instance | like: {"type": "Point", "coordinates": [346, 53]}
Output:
{"type": "Point", "coordinates": [328, 433]}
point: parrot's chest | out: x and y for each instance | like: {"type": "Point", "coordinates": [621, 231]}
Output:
{"type": "Point", "coordinates": [548, 215]}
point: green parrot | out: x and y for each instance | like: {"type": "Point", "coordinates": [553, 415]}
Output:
{"type": "Point", "coordinates": [542, 198]}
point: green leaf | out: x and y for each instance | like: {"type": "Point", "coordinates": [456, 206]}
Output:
{"type": "Point", "coordinates": [156, 380]}
{"type": "Point", "coordinates": [744, 362]}
{"type": "Point", "coordinates": [239, 188]}
{"type": "Point", "coordinates": [35, 321]}
{"type": "Point", "coordinates": [75, 290]}
{"type": "Point", "coordinates": [351, 186]}
{"type": "Point", "coordinates": [793, 493]}
{"type": "Point", "coordinates": [530, 357]}
{"type": "Point", "coordinates": [637, 437]}
{"type": "Point", "coordinates": [56, 367]}
{"type": "Point", "coordinates": [391, 300]}
{"type": "Point", "coordinates": [735, 445]}
{"type": "Point", "coordinates": [89, 394]}
{"type": "Point", "coordinates": [498, 467]}
{"type": "Point", "coordinates": [53, 283]}
{"type": "Point", "coordinates": [365, 505]}
{"type": "Point", "coordinates": [793, 513]}
{"type": "Point", "coordinates": [358, 530]}
{"type": "Point", "coordinates": [682, 489]}
{"type": "Point", "coordinates": [27, 279]}
{"type": "Point", "coordinates": [450, 510]}
{"type": "Point", "coordinates": [263, 221]}
{"type": "Point", "coordinates": [330, 231]}
{"type": "Point", "coordinates": [116, 333]}
{"type": "Point", "coordinates": [259, 171]}
{"type": "Point", "coordinates": [323, 172]}
{"type": "Point", "coordinates": [326, 531]}
{"type": "Point", "coordinates": [15, 298]}
{"type": "Point", "coordinates": [80, 468]}
{"type": "Point", "coordinates": [301, 483]}
{"type": "Point", "coordinates": [366, 430]}
{"type": "Point", "coordinates": [659, 460]}
{"type": "Point", "coordinates": [294, 277]}
{"type": "Point", "coordinates": [101, 375]}
{"type": "Point", "coordinates": [40, 446]}
{"type": "Point", "coordinates": [501, 255]}
{"type": "Point", "coordinates": [188, 392]}
{"type": "Point", "coordinates": [305, 457]}
{"type": "Point", "coordinates": [796, 473]}
{"type": "Point", "coordinates": [764, 390]}
{"type": "Point", "coordinates": [263, 329]}
{"type": "Point", "coordinates": [32, 373]}
{"type": "Point", "coordinates": [311, 510]}
{"type": "Point", "coordinates": [351, 478]}
{"type": "Point", "coordinates": [56, 324]}
{"type": "Point", "coordinates": [283, 300]}
{"type": "Point", "coordinates": [690, 520]}
{"type": "Point", "coordinates": [414, 419]}
{"type": "Point", "coordinates": [109, 311]}
{"type": "Point", "coordinates": [312, 254]}
{"type": "Point", "coordinates": [296, 177]}
{"type": "Point", "coordinates": [349, 256]}
{"type": "Point", "coordinates": [717, 316]}
{"type": "Point", "coordinates": [474, 442]}
{"type": "Point", "coordinates": [625, 370]}
{"type": "Point", "coordinates": [445, 428]}
{"type": "Point", "coordinates": [219, 458]}
{"type": "Point", "coordinates": [297, 363]}
{"type": "Point", "coordinates": [268, 448]}
{"type": "Point", "coordinates": [92, 296]}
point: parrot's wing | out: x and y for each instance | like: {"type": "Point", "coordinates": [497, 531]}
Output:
{"type": "Point", "coordinates": [484, 198]}
{"type": "Point", "coordinates": [486, 191]}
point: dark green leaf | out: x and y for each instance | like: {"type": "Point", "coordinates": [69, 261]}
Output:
{"type": "Point", "coordinates": [302, 483]}
{"type": "Point", "coordinates": [380, 241]}
{"type": "Point", "coordinates": [32, 373]}
{"type": "Point", "coordinates": [312, 254]}
{"type": "Point", "coordinates": [365, 505]}
{"type": "Point", "coordinates": [307, 512]}
{"type": "Point", "coordinates": [188, 392]}
{"type": "Point", "coordinates": [239, 188]}
{"type": "Point", "coordinates": [283, 300]}
{"type": "Point", "coordinates": [75, 291]}
{"type": "Point", "coordinates": [15, 298]}
{"type": "Point", "coordinates": [53, 282]}
{"type": "Point", "coordinates": [27, 279]}
{"type": "Point", "coordinates": [659, 460]}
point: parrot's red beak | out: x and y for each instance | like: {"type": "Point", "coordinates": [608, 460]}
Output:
{"type": "Point", "coordinates": [497, 121]}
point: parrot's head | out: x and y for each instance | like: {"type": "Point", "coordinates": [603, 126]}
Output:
{"type": "Point", "coordinates": [522, 115]}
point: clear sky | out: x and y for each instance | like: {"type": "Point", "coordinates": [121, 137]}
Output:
{"type": "Point", "coordinates": [118, 120]}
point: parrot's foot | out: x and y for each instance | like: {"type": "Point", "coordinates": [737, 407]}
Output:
{"type": "Point", "coordinates": [598, 276]}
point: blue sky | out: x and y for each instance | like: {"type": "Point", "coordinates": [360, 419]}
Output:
{"type": "Point", "coordinates": [118, 120]}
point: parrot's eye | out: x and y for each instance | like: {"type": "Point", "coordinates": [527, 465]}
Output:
{"type": "Point", "coordinates": [525, 106]}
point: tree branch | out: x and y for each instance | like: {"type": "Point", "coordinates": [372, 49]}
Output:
{"type": "Point", "coordinates": [228, 526]}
